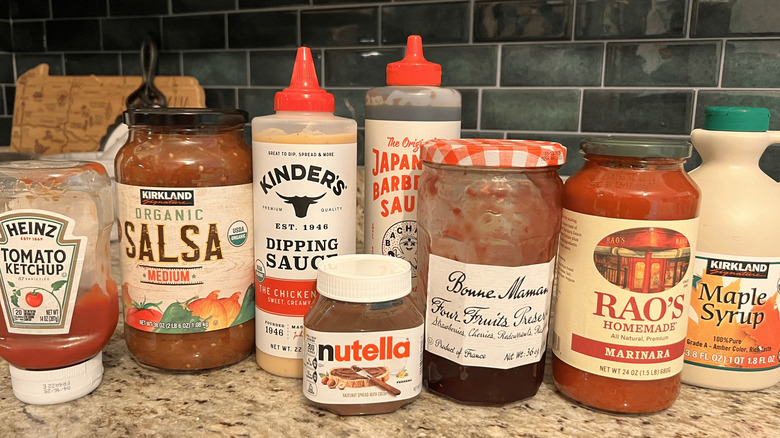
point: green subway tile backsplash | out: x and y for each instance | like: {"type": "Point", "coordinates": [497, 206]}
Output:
{"type": "Point", "coordinates": [752, 64]}
{"type": "Point", "coordinates": [538, 69]}
{"type": "Point", "coordinates": [663, 64]}
{"type": "Point", "coordinates": [530, 110]}
{"type": "Point", "coordinates": [525, 20]}
{"type": "Point", "coordinates": [630, 111]}
{"type": "Point", "coordinates": [610, 19]}
{"type": "Point", "coordinates": [551, 65]}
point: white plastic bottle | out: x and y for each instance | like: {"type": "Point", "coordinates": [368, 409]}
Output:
{"type": "Point", "coordinates": [305, 189]}
{"type": "Point", "coordinates": [411, 110]}
{"type": "Point", "coordinates": [734, 327]}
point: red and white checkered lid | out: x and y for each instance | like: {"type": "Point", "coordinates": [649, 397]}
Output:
{"type": "Point", "coordinates": [494, 153]}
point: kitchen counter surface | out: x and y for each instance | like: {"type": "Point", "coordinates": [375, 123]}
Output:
{"type": "Point", "coordinates": [244, 401]}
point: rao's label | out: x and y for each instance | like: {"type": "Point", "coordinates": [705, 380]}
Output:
{"type": "Point", "coordinates": [734, 316]}
{"type": "Point", "coordinates": [304, 203]}
{"type": "Point", "coordinates": [40, 268]}
{"type": "Point", "coordinates": [186, 257]}
{"type": "Point", "coordinates": [623, 288]}
{"type": "Point", "coordinates": [337, 366]}
{"type": "Point", "coordinates": [488, 316]}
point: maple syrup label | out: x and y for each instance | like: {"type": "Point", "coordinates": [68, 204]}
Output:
{"type": "Point", "coordinates": [734, 316]}
{"type": "Point", "coordinates": [623, 288]}
{"type": "Point", "coordinates": [186, 257]}
{"type": "Point", "coordinates": [41, 262]}
{"type": "Point", "coordinates": [337, 366]}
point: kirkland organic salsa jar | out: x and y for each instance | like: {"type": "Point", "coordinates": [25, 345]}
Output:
{"type": "Point", "coordinates": [185, 217]}
{"type": "Point", "coordinates": [60, 305]}
{"type": "Point", "coordinates": [630, 218]}
{"type": "Point", "coordinates": [489, 216]}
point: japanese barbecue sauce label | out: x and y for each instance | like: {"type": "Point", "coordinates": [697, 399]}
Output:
{"type": "Point", "coordinates": [488, 316]}
{"type": "Point", "coordinates": [186, 257]}
{"type": "Point", "coordinates": [304, 201]}
{"type": "Point", "coordinates": [393, 169]}
{"type": "Point", "coordinates": [334, 366]}
{"type": "Point", "coordinates": [734, 316]}
{"type": "Point", "coordinates": [40, 268]}
{"type": "Point", "coordinates": [623, 290]}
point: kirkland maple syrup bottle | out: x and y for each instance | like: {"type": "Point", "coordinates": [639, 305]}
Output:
{"type": "Point", "coordinates": [734, 327]}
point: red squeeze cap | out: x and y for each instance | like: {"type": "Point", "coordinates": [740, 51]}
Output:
{"type": "Point", "coordinates": [304, 93]}
{"type": "Point", "coordinates": [414, 69]}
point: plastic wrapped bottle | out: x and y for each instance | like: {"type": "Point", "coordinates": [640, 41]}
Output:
{"type": "Point", "coordinates": [734, 326]}
{"type": "Point", "coordinates": [411, 110]}
{"type": "Point", "coordinates": [305, 177]}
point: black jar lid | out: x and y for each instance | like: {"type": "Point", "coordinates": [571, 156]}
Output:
{"type": "Point", "coordinates": [188, 117]}
{"type": "Point", "coordinates": [637, 147]}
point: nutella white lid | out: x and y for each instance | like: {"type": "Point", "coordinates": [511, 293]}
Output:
{"type": "Point", "coordinates": [364, 278]}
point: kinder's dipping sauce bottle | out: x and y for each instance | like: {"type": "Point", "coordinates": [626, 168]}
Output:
{"type": "Point", "coordinates": [734, 327]}
{"type": "Point", "coordinates": [490, 213]}
{"type": "Point", "coordinates": [305, 190]}
{"type": "Point", "coordinates": [59, 303]}
{"type": "Point", "coordinates": [412, 109]}
{"type": "Point", "coordinates": [630, 217]}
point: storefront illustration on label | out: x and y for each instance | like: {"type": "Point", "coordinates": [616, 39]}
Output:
{"type": "Point", "coordinates": [643, 260]}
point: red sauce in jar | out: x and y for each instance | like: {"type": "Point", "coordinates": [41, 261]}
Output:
{"type": "Point", "coordinates": [654, 188]}
{"type": "Point", "coordinates": [192, 149]}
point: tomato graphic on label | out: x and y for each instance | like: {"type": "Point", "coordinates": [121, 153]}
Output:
{"type": "Point", "coordinates": [143, 316]}
{"type": "Point", "coordinates": [34, 299]}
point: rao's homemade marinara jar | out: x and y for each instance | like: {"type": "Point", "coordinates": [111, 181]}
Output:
{"type": "Point", "coordinates": [185, 216]}
{"type": "Point", "coordinates": [490, 212]}
{"type": "Point", "coordinates": [630, 218]}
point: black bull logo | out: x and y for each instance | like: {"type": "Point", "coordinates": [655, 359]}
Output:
{"type": "Point", "coordinates": [300, 203]}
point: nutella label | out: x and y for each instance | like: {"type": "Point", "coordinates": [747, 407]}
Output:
{"type": "Point", "coordinates": [488, 316]}
{"type": "Point", "coordinates": [622, 298]}
{"type": "Point", "coordinates": [362, 367]}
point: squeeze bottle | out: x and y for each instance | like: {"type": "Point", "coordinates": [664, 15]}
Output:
{"type": "Point", "coordinates": [305, 190]}
{"type": "Point", "coordinates": [411, 110]}
{"type": "Point", "coordinates": [734, 327]}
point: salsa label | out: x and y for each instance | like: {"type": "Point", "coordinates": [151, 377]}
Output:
{"type": "Point", "coordinates": [623, 290]}
{"type": "Point", "coordinates": [40, 268]}
{"type": "Point", "coordinates": [187, 257]}
{"type": "Point", "coordinates": [488, 316]}
{"type": "Point", "coordinates": [734, 318]}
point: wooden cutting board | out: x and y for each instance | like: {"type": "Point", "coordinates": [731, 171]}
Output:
{"type": "Point", "coordinates": [59, 114]}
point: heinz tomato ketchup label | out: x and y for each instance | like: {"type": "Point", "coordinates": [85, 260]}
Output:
{"type": "Point", "coordinates": [623, 289]}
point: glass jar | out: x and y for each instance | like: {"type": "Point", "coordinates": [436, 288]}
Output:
{"type": "Point", "coordinates": [488, 231]}
{"type": "Point", "coordinates": [60, 305]}
{"type": "Point", "coordinates": [630, 219]}
{"type": "Point", "coordinates": [184, 185]}
{"type": "Point", "coordinates": [363, 337]}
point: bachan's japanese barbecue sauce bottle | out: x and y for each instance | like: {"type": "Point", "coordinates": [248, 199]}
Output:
{"type": "Point", "coordinates": [305, 191]}
{"type": "Point", "coordinates": [734, 327]}
{"type": "Point", "coordinates": [411, 110]}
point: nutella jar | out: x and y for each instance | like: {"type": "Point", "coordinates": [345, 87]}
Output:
{"type": "Point", "coordinates": [363, 337]}
{"type": "Point", "coordinates": [489, 216]}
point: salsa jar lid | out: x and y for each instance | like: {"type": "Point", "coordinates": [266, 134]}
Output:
{"type": "Point", "coordinates": [185, 117]}
{"type": "Point", "coordinates": [637, 147]}
{"type": "Point", "coordinates": [364, 278]}
{"type": "Point", "coordinates": [494, 152]}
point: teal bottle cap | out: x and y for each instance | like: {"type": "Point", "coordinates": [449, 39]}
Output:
{"type": "Point", "coordinates": [734, 118]}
